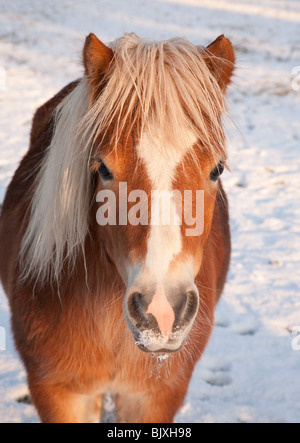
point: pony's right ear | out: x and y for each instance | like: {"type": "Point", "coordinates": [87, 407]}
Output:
{"type": "Point", "coordinates": [96, 58]}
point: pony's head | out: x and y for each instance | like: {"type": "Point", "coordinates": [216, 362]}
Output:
{"type": "Point", "coordinates": [144, 130]}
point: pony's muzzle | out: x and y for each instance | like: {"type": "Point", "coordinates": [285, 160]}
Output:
{"type": "Point", "coordinates": [161, 321]}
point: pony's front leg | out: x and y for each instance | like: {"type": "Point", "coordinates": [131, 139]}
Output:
{"type": "Point", "coordinates": [58, 404]}
{"type": "Point", "coordinates": [157, 405]}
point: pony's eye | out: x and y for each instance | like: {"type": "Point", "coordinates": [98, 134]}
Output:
{"type": "Point", "coordinates": [217, 172]}
{"type": "Point", "coordinates": [104, 173]}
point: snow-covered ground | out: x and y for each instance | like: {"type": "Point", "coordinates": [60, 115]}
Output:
{"type": "Point", "coordinates": [250, 371]}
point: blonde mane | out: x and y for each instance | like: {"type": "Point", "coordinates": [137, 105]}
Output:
{"type": "Point", "coordinates": [163, 85]}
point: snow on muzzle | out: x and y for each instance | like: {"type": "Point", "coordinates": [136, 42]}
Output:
{"type": "Point", "coordinates": [160, 319]}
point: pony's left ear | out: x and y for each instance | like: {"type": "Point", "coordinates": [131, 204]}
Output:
{"type": "Point", "coordinates": [220, 59]}
{"type": "Point", "coordinates": [96, 58]}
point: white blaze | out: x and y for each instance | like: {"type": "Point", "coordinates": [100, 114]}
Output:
{"type": "Point", "coordinates": [165, 240]}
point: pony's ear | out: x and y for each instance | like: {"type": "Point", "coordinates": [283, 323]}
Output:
{"type": "Point", "coordinates": [220, 59]}
{"type": "Point", "coordinates": [96, 58]}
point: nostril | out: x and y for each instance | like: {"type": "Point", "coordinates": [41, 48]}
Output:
{"type": "Point", "coordinates": [134, 304]}
{"type": "Point", "coordinates": [181, 306]}
{"type": "Point", "coordinates": [186, 304]}
{"type": "Point", "coordinates": [136, 310]}
{"type": "Point", "coordinates": [192, 303]}
{"type": "Point", "coordinates": [136, 300]}
{"type": "Point", "coordinates": [192, 295]}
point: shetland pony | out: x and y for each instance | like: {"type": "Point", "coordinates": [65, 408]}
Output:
{"type": "Point", "coordinates": [117, 307]}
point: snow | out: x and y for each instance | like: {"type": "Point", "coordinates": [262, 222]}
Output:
{"type": "Point", "coordinates": [250, 370]}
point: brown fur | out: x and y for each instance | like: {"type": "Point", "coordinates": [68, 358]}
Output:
{"type": "Point", "coordinates": [77, 345]}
